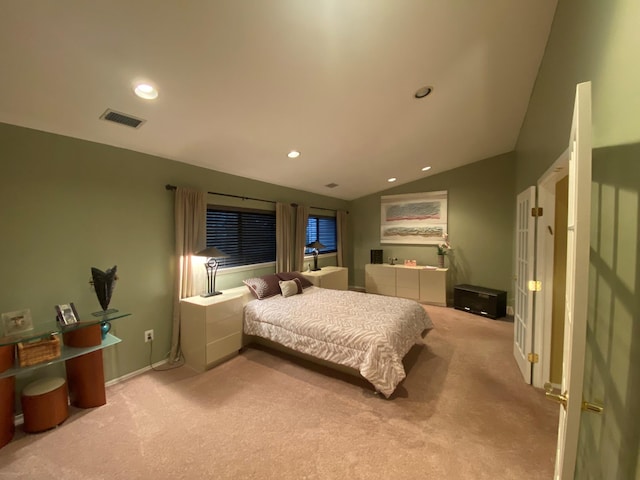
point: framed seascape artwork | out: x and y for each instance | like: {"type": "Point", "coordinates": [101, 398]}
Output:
{"type": "Point", "coordinates": [15, 323]}
{"type": "Point", "coordinates": [414, 218]}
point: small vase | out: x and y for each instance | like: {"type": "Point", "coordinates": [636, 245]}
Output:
{"type": "Point", "coordinates": [105, 327]}
{"type": "Point", "coordinates": [440, 261]}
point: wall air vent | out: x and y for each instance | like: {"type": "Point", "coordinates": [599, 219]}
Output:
{"type": "Point", "coordinates": [331, 185]}
{"type": "Point", "coordinates": [121, 118]}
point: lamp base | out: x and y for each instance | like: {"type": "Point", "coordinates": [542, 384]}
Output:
{"type": "Point", "coordinates": [316, 269]}
{"type": "Point", "coordinates": [210, 294]}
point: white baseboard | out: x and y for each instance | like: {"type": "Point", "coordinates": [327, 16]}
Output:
{"type": "Point", "coordinates": [134, 374]}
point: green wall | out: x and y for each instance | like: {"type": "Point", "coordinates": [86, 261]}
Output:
{"type": "Point", "coordinates": [69, 205]}
{"type": "Point", "coordinates": [598, 41]}
{"type": "Point", "coordinates": [481, 213]}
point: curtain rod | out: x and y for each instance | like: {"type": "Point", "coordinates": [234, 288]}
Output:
{"type": "Point", "coordinates": [173, 187]}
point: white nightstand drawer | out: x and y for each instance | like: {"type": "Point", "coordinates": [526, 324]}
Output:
{"type": "Point", "coordinates": [225, 306]}
{"type": "Point", "coordinates": [220, 327]}
{"type": "Point", "coordinates": [223, 347]}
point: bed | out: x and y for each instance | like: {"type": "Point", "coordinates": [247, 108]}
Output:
{"type": "Point", "coordinates": [366, 332]}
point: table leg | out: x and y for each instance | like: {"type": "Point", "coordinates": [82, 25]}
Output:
{"type": "Point", "coordinates": [85, 377]}
{"type": "Point", "coordinates": [7, 396]}
{"type": "Point", "coordinates": [85, 374]}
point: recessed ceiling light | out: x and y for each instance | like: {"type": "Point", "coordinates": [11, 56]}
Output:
{"type": "Point", "coordinates": [392, 179]}
{"type": "Point", "coordinates": [146, 91]}
{"type": "Point", "coordinates": [423, 92]}
{"type": "Point", "coordinates": [293, 154]}
{"type": "Point", "coordinates": [424, 169]}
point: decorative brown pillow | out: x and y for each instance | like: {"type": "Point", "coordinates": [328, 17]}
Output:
{"type": "Point", "coordinates": [263, 287]}
{"type": "Point", "coordinates": [291, 275]}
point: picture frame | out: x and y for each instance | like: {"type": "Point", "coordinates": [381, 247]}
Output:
{"type": "Point", "coordinates": [414, 218]}
{"type": "Point", "coordinates": [66, 314]}
{"type": "Point", "coordinates": [17, 322]}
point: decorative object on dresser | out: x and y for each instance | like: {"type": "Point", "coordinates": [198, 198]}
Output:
{"type": "Point", "coordinates": [443, 249]}
{"type": "Point", "coordinates": [66, 314]}
{"type": "Point", "coordinates": [376, 256]}
{"type": "Point", "coordinates": [37, 351]}
{"type": "Point", "coordinates": [316, 246]}
{"type": "Point", "coordinates": [15, 323]}
{"type": "Point", "coordinates": [211, 265]}
{"type": "Point", "coordinates": [480, 300]}
{"type": "Point", "coordinates": [104, 283]}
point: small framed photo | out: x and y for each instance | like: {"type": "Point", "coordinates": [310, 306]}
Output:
{"type": "Point", "coordinates": [67, 314]}
{"type": "Point", "coordinates": [15, 323]}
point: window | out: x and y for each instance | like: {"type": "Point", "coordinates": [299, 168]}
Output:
{"type": "Point", "coordinates": [247, 236]}
{"type": "Point", "coordinates": [322, 229]}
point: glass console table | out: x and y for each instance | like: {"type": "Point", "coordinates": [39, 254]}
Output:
{"type": "Point", "coordinates": [80, 349]}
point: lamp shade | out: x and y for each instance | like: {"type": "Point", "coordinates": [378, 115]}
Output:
{"type": "Point", "coordinates": [211, 252]}
{"type": "Point", "coordinates": [316, 244]}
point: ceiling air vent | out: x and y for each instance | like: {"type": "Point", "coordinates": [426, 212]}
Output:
{"type": "Point", "coordinates": [121, 118]}
{"type": "Point", "coordinates": [331, 185]}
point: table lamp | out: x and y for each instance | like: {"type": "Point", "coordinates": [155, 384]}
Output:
{"type": "Point", "coordinates": [316, 246]}
{"type": "Point", "coordinates": [211, 265]}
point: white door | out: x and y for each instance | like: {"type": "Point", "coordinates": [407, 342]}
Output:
{"type": "Point", "coordinates": [575, 329]}
{"type": "Point", "coordinates": [523, 311]}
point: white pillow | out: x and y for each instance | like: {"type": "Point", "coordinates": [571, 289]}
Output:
{"type": "Point", "coordinates": [289, 287]}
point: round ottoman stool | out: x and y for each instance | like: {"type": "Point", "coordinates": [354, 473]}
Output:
{"type": "Point", "coordinates": [45, 404]}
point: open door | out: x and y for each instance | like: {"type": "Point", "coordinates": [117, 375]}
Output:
{"type": "Point", "coordinates": [523, 308]}
{"type": "Point", "coordinates": [577, 279]}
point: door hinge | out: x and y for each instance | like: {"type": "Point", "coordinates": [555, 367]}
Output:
{"type": "Point", "coordinates": [536, 212]}
{"type": "Point", "coordinates": [533, 358]}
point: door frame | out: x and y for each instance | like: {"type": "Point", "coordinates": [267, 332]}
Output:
{"type": "Point", "coordinates": [546, 198]}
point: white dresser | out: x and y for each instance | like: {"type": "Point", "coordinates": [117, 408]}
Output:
{"type": "Point", "coordinates": [423, 284]}
{"type": "Point", "coordinates": [336, 278]}
{"type": "Point", "coordinates": [211, 328]}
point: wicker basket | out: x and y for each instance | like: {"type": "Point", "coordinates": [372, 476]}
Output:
{"type": "Point", "coordinates": [31, 353]}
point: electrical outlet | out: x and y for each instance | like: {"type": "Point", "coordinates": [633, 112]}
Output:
{"type": "Point", "coordinates": [148, 336]}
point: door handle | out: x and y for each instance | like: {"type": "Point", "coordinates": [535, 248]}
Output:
{"type": "Point", "coordinates": [592, 407]}
{"type": "Point", "coordinates": [555, 396]}
{"type": "Point", "coordinates": [562, 399]}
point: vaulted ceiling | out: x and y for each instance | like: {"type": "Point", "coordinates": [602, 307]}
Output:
{"type": "Point", "coordinates": [243, 82]}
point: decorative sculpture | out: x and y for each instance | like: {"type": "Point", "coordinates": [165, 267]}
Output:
{"type": "Point", "coordinates": [104, 283]}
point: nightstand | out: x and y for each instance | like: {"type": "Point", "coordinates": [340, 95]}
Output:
{"type": "Point", "coordinates": [336, 278]}
{"type": "Point", "coordinates": [211, 328]}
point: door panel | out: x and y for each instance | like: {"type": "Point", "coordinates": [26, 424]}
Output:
{"type": "Point", "coordinates": [577, 279]}
{"type": "Point", "coordinates": [523, 311]}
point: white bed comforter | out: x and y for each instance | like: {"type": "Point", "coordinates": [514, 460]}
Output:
{"type": "Point", "coordinates": [370, 333]}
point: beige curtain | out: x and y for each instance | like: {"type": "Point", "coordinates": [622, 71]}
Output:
{"type": "Point", "coordinates": [284, 237]}
{"type": "Point", "coordinates": [190, 229]}
{"type": "Point", "coordinates": [341, 225]}
{"type": "Point", "coordinates": [302, 217]}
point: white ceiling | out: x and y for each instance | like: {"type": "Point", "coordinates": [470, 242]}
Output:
{"type": "Point", "coordinates": [243, 82]}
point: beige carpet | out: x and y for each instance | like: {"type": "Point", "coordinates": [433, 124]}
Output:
{"type": "Point", "coordinates": [462, 413]}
